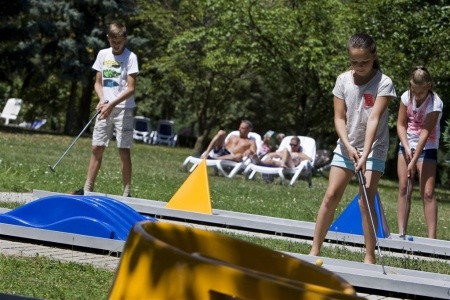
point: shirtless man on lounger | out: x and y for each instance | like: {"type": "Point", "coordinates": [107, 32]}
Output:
{"type": "Point", "coordinates": [235, 148]}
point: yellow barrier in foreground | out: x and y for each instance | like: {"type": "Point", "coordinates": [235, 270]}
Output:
{"type": "Point", "coordinates": [168, 261]}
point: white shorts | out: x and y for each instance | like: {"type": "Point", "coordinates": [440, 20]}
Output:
{"type": "Point", "coordinates": [119, 121]}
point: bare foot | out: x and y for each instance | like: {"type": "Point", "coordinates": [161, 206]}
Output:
{"type": "Point", "coordinates": [315, 253]}
{"type": "Point", "coordinates": [369, 260]}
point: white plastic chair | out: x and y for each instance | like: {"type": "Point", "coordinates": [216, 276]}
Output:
{"type": "Point", "coordinates": [142, 129]}
{"type": "Point", "coordinates": [227, 168]}
{"type": "Point", "coordinates": [230, 168]}
{"type": "Point", "coordinates": [38, 123]}
{"type": "Point", "coordinates": [11, 109]}
{"type": "Point", "coordinates": [304, 169]}
{"type": "Point", "coordinates": [165, 134]}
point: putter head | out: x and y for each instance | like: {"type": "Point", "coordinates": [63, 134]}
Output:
{"type": "Point", "coordinates": [51, 168]}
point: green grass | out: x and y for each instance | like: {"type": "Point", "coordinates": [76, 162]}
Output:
{"type": "Point", "coordinates": [43, 278]}
{"type": "Point", "coordinates": [24, 160]}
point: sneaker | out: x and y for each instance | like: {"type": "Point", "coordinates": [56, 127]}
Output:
{"type": "Point", "coordinates": [78, 192]}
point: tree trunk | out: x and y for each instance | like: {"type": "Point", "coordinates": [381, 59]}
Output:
{"type": "Point", "coordinates": [70, 112]}
{"type": "Point", "coordinates": [198, 148]}
{"type": "Point", "coordinates": [86, 101]}
{"type": "Point", "coordinates": [201, 143]}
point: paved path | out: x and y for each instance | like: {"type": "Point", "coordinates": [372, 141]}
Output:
{"type": "Point", "coordinates": [64, 255]}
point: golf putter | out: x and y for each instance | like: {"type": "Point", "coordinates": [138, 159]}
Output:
{"type": "Point", "coordinates": [407, 206]}
{"type": "Point", "coordinates": [362, 182]}
{"type": "Point", "coordinates": [53, 168]}
{"type": "Point", "coordinates": [407, 203]}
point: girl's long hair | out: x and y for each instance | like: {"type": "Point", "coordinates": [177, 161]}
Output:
{"type": "Point", "coordinates": [420, 76]}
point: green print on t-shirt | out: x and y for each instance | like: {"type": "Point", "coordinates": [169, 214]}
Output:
{"type": "Point", "coordinates": [110, 73]}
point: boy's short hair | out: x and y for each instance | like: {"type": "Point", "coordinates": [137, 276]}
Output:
{"type": "Point", "coordinates": [117, 29]}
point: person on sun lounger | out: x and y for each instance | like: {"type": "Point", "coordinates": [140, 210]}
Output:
{"type": "Point", "coordinates": [235, 148]}
{"type": "Point", "coordinates": [285, 158]}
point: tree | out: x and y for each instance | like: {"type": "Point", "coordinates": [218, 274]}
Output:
{"type": "Point", "coordinates": [207, 64]}
{"type": "Point", "coordinates": [420, 35]}
{"type": "Point", "coordinates": [14, 49]}
{"type": "Point", "coordinates": [202, 69]}
{"type": "Point", "coordinates": [59, 41]}
{"type": "Point", "coordinates": [224, 60]}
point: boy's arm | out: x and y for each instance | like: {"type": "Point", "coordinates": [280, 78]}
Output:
{"type": "Point", "coordinates": [98, 86]}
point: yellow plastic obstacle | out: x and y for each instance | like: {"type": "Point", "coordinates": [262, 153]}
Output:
{"type": "Point", "coordinates": [193, 195]}
{"type": "Point", "coordinates": [168, 261]}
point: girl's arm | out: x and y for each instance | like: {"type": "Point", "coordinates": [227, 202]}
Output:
{"type": "Point", "coordinates": [340, 123]}
{"type": "Point", "coordinates": [380, 106]}
{"type": "Point", "coordinates": [402, 125]}
{"type": "Point", "coordinates": [428, 127]}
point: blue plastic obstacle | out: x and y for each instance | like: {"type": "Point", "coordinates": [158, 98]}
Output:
{"type": "Point", "coordinates": [87, 215]}
{"type": "Point", "coordinates": [350, 220]}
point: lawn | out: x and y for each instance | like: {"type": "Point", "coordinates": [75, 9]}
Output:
{"type": "Point", "coordinates": [157, 175]}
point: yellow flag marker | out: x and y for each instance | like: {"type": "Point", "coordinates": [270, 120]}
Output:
{"type": "Point", "coordinates": [193, 195]}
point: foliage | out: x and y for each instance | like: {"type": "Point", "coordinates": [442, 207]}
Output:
{"type": "Point", "coordinates": [446, 138]}
{"type": "Point", "coordinates": [52, 61]}
{"type": "Point", "coordinates": [207, 64]}
{"type": "Point", "coordinates": [227, 61]}
{"type": "Point", "coordinates": [417, 35]}
{"type": "Point", "coordinates": [14, 34]}
{"type": "Point", "coordinates": [443, 170]}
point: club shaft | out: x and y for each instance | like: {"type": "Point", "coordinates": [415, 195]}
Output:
{"type": "Point", "coordinates": [362, 182]}
{"type": "Point", "coordinates": [74, 141]}
{"type": "Point", "coordinates": [407, 205]}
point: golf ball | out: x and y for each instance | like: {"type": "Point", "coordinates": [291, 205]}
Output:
{"type": "Point", "coordinates": [319, 262]}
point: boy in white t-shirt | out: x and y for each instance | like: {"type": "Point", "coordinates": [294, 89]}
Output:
{"type": "Point", "coordinates": [117, 70]}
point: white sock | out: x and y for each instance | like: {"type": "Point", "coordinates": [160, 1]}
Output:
{"type": "Point", "coordinates": [127, 190]}
{"type": "Point", "coordinates": [88, 186]}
